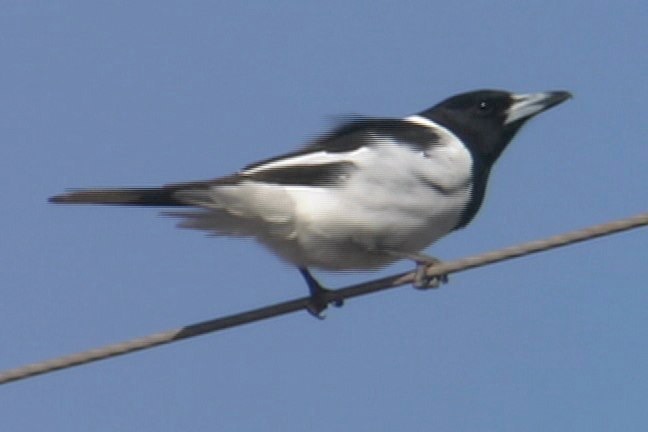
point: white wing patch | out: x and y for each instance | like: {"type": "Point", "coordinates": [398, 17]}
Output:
{"type": "Point", "coordinates": [316, 158]}
{"type": "Point", "coordinates": [422, 121]}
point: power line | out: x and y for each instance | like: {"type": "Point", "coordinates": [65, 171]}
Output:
{"type": "Point", "coordinates": [301, 303]}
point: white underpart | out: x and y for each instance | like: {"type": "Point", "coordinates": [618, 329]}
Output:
{"type": "Point", "coordinates": [387, 204]}
{"type": "Point", "coordinates": [525, 105]}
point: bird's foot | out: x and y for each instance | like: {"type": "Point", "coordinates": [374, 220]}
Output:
{"type": "Point", "coordinates": [320, 300]}
{"type": "Point", "coordinates": [421, 280]}
{"type": "Point", "coordinates": [320, 297]}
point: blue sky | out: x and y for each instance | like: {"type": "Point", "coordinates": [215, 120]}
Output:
{"type": "Point", "coordinates": [144, 93]}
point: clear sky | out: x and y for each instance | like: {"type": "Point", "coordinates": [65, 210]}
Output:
{"type": "Point", "coordinates": [148, 92]}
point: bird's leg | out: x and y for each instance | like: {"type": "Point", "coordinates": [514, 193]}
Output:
{"type": "Point", "coordinates": [421, 280]}
{"type": "Point", "coordinates": [320, 297]}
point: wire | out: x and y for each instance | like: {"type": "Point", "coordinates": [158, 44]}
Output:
{"type": "Point", "coordinates": [301, 303]}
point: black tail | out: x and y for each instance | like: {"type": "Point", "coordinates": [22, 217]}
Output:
{"type": "Point", "coordinates": [157, 197]}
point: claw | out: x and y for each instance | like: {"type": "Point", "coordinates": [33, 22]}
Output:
{"type": "Point", "coordinates": [319, 302]}
{"type": "Point", "coordinates": [316, 306]}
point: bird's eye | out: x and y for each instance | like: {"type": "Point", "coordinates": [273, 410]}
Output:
{"type": "Point", "coordinates": [485, 107]}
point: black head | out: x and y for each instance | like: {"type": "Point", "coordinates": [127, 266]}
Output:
{"type": "Point", "coordinates": [487, 120]}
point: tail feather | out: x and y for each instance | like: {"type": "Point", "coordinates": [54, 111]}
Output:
{"type": "Point", "coordinates": [156, 197]}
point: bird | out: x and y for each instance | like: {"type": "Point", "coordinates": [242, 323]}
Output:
{"type": "Point", "coordinates": [369, 192]}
